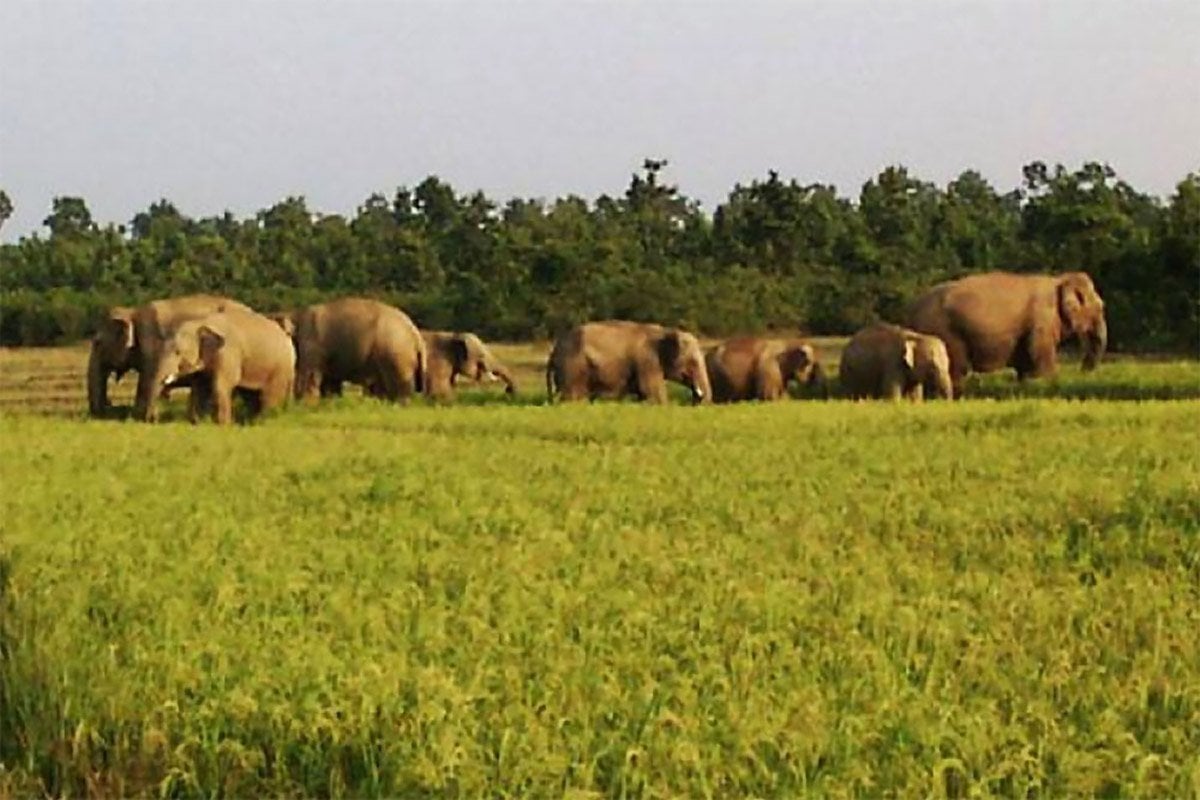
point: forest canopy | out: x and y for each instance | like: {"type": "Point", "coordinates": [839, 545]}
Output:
{"type": "Point", "coordinates": [775, 255]}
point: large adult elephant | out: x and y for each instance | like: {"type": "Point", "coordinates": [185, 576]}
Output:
{"type": "Point", "coordinates": [888, 361]}
{"type": "Point", "coordinates": [361, 341]}
{"type": "Point", "coordinates": [451, 354]}
{"type": "Point", "coordinates": [1000, 319]}
{"type": "Point", "coordinates": [749, 368]}
{"type": "Point", "coordinates": [131, 339]}
{"type": "Point", "coordinates": [618, 358]}
{"type": "Point", "coordinates": [227, 351]}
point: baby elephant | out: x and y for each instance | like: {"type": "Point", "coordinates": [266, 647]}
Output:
{"type": "Point", "coordinates": [747, 368]}
{"type": "Point", "coordinates": [228, 351]}
{"type": "Point", "coordinates": [888, 361]}
{"type": "Point", "coordinates": [451, 354]}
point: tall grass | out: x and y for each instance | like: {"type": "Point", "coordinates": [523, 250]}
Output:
{"type": "Point", "coordinates": [612, 600]}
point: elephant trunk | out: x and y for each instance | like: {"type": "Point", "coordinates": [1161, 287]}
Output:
{"type": "Point", "coordinates": [1095, 345]}
{"type": "Point", "coordinates": [945, 385]}
{"type": "Point", "coordinates": [97, 382]}
{"type": "Point", "coordinates": [701, 389]}
{"type": "Point", "coordinates": [818, 382]}
{"type": "Point", "coordinates": [510, 384]}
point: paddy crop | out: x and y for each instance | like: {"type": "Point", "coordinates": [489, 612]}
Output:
{"type": "Point", "coordinates": [806, 598]}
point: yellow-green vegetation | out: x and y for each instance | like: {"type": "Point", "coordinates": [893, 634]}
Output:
{"type": "Point", "coordinates": [800, 599]}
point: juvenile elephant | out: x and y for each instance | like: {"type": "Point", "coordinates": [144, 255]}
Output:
{"type": "Point", "coordinates": [999, 319]}
{"type": "Point", "coordinates": [748, 368]}
{"type": "Point", "coordinates": [130, 339]}
{"type": "Point", "coordinates": [361, 341]}
{"type": "Point", "coordinates": [227, 351]}
{"type": "Point", "coordinates": [453, 354]}
{"type": "Point", "coordinates": [888, 361]}
{"type": "Point", "coordinates": [616, 358]}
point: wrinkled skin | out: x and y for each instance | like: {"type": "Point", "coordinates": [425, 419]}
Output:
{"type": "Point", "coordinates": [130, 339]}
{"type": "Point", "coordinates": [359, 341]}
{"type": "Point", "coordinates": [887, 361]}
{"type": "Point", "coordinates": [748, 368]}
{"type": "Point", "coordinates": [614, 359]}
{"type": "Point", "coordinates": [452, 354]}
{"type": "Point", "coordinates": [999, 319]}
{"type": "Point", "coordinates": [226, 352]}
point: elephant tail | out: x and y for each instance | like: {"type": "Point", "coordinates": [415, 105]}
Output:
{"type": "Point", "coordinates": [420, 378]}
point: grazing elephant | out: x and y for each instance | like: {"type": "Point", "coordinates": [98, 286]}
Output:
{"type": "Point", "coordinates": [748, 368]}
{"type": "Point", "coordinates": [888, 361]}
{"type": "Point", "coordinates": [998, 319]}
{"type": "Point", "coordinates": [130, 339]}
{"type": "Point", "coordinates": [361, 341]}
{"type": "Point", "coordinates": [454, 354]}
{"type": "Point", "coordinates": [227, 351]}
{"type": "Point", "coordinates": [616, 358]}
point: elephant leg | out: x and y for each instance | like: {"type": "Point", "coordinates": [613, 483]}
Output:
{"type": "Point", "coordinates": [199, 398]}
{"type": "Point", "coordinates": [331, 387]}
{"type": "Point", "coordinates": [309, 381]}
{"type": "Point", "coordinates": [892, 387]}
{"type": "Point", "coordinates": [406, 380]}
{"type": "Point", "coordinates": [917, 393]}
{"type": "Point", "coordinates": [574, 384]}
{"type": "Point", "coordinates": [146, 402]}
{"type": "Point", "coordinates": [1040, 357]}
{"type": "Point", "coordinates": [274, 394]}
{"type": "Point", "coordinates": [651, 387]}
{"type": "Point", "coordinates": [768, 386]}
{"type": "Point", "coordinates": [222, 401]}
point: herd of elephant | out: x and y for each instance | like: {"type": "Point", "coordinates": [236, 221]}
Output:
{"type": "Point", "coordinates": [219, 348]}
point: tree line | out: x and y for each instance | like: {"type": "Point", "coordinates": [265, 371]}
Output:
{"type": "Point", "coordinates": [776, 254]}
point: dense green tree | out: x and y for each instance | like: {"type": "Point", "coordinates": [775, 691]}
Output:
{"type": "Point", "coordinates": [6, 208]}
{"type": "Point", "coordinates": [776, 254]}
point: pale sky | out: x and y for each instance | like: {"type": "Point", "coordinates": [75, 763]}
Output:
{"type": "Point", "coordinates": [236, 105]}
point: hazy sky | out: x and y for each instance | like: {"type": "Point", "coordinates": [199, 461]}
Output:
{"type": "Point", "coordinates": [238, 104]}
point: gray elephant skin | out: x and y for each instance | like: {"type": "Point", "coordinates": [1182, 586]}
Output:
{"type": "Point", "coordinates": [888, 361]}
{"type": "Point", "coordinates": [750, 368]}
{"type": "Point", "coordinates": [131, 340]}
{"type": "Point", "coordinates": [232, 350]}
{"type": "Point", "coordinates": [1000, 319]}
{"type": "Point", "coordinates": [451, 354]}
{"type": "Point", "coordinates": [356, 340]}
{"type": "Point", "coordinates": [618, 358]}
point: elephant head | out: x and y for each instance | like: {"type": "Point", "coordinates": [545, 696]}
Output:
{"type": "Point", "coordinates": [1081, 311]}
{"type": "Point", "coordinates": [469, 356]}
{"type": "Point", "coordinates": [114, 350]}
{"type": "Point", "coordinates": [798, 362]}
{"type": "Point", "coordinates": [190, 350]}
{"type": "Point", "coordinates": [682, 360]}
{"type": "Point", "coordinates": [928, 363]}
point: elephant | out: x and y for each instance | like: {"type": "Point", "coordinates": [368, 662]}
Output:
{"type": "Point", "coordinates": [227, 351]}
{"type": "Point", "coordinates": [617, 358]}
{"type": "Point", "coordinates": [995, 320]}
{"type": "Point", "coordinates": [361, 341]}
{"type": "Point", "coordinates": [888, 361]}
{"type": "Point", "coordinates": [452, 354]}
{"type": "Point", "coordinates": [130, 339]}
{"type": "Point", "coordinates": [749, 368]}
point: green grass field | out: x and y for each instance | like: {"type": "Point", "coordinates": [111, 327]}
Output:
{"type": "Point", "coordinates": [999, 596]}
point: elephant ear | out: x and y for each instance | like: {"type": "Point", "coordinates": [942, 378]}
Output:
{"type": "Point", "coordinates": [1071, 299]}
{"type": "Point", "coordinates": [669, 347]}
{"type": "Point", "coordinates": [118, 328]}
{"type": "Point", "coordinates": [211, 343]}
{"type": "Point", "coordinates": [285, 322]}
